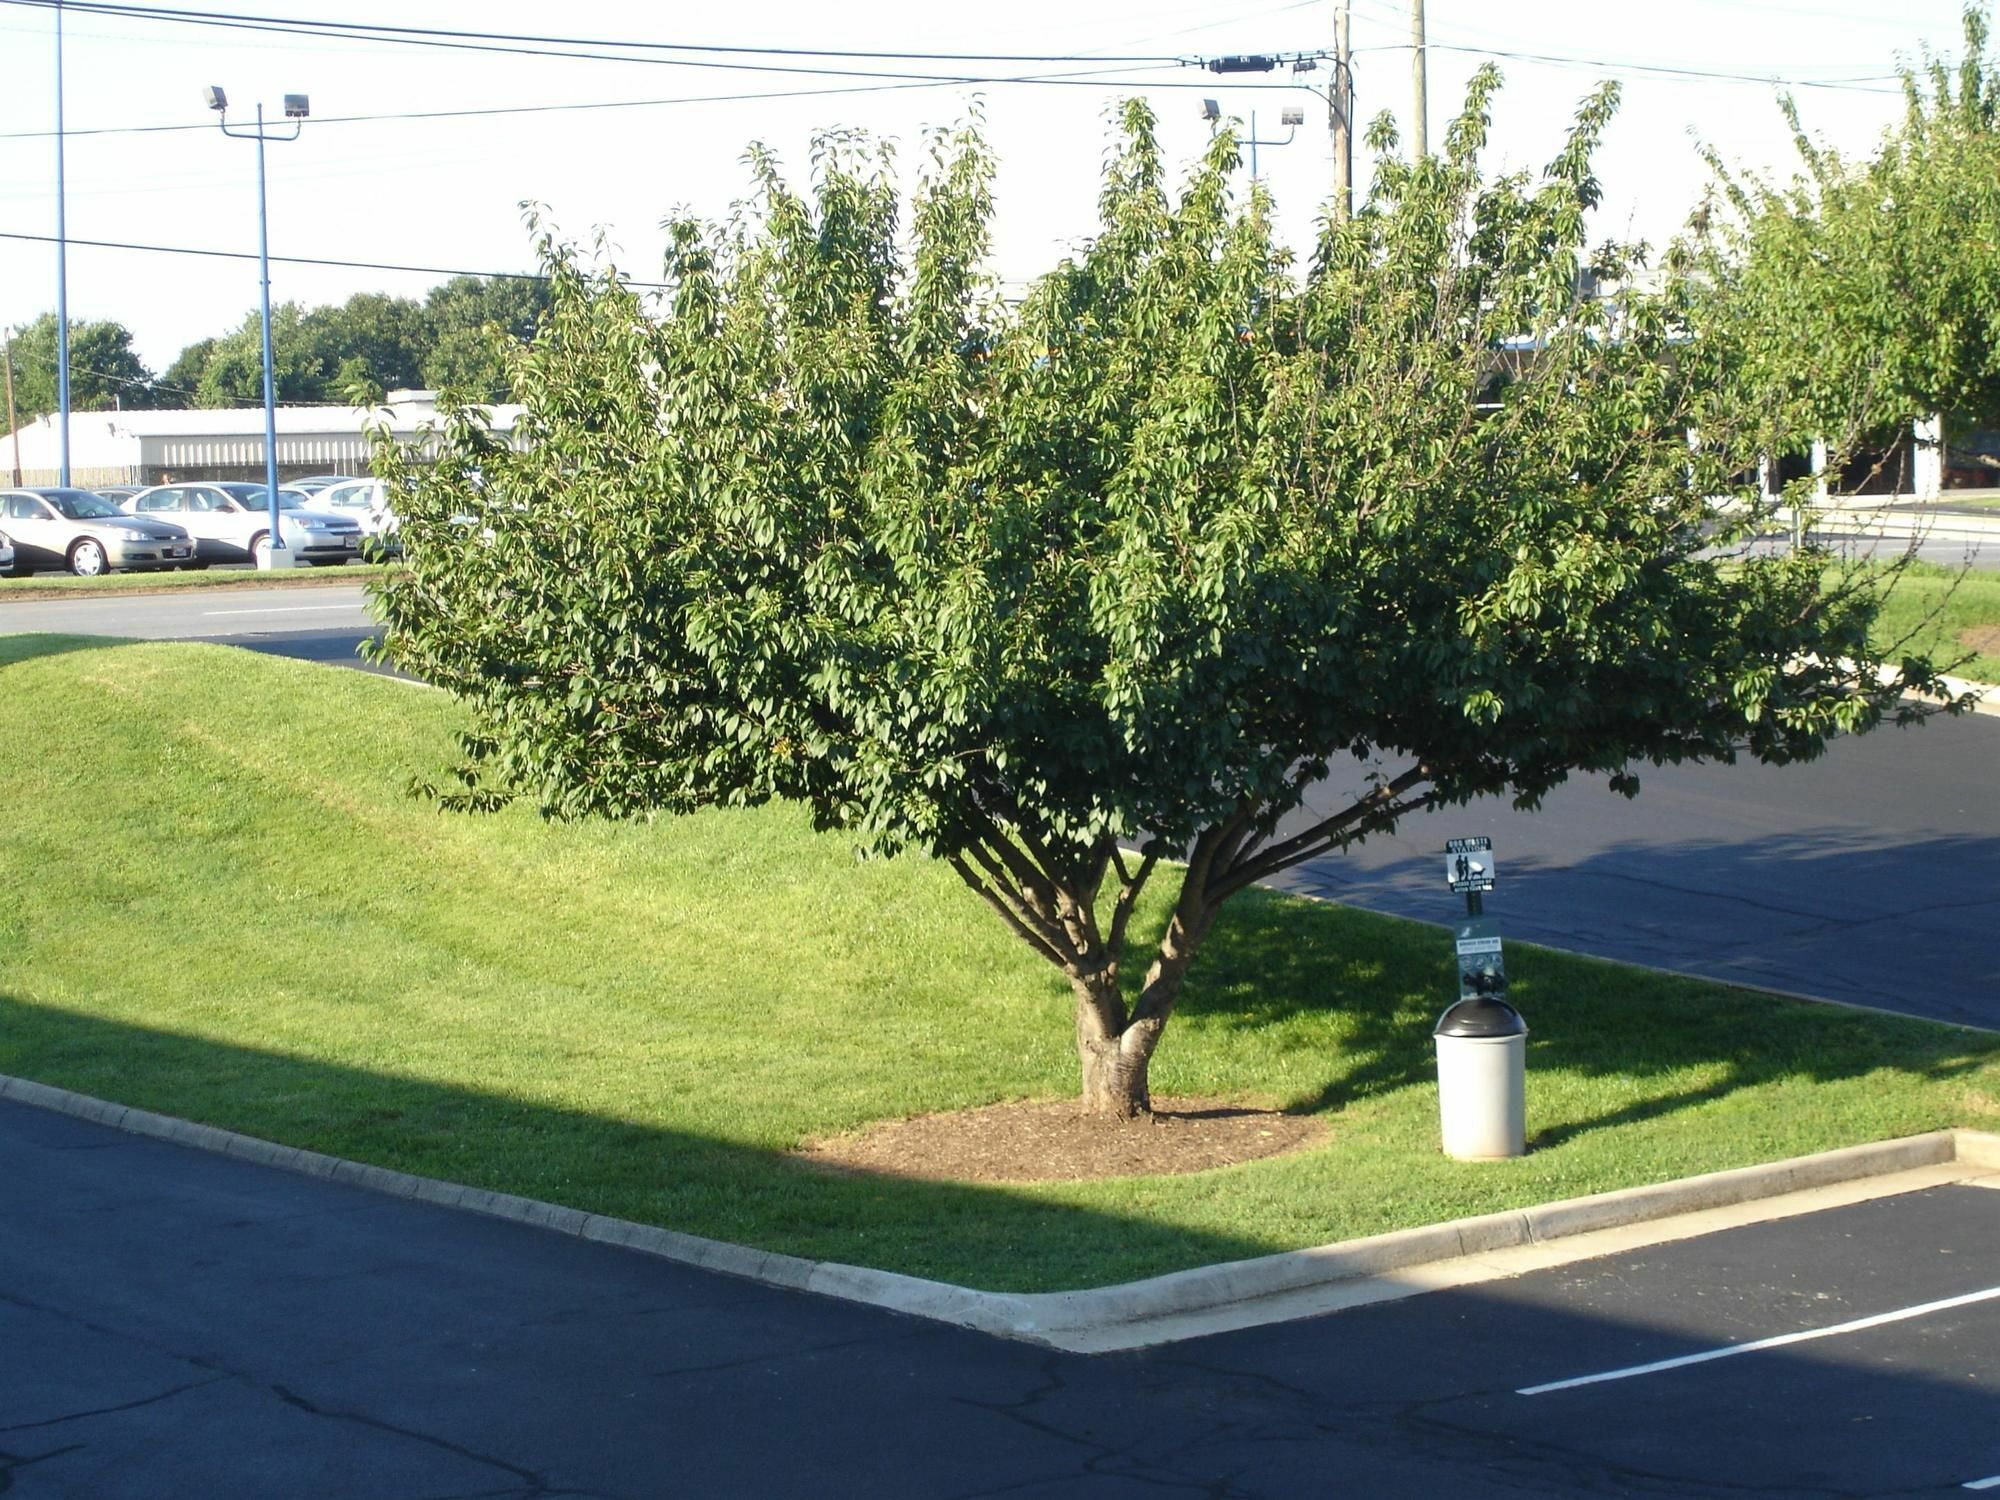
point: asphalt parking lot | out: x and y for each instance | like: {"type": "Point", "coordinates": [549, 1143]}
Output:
{"type": "Point", "coordinates": [183, 1324]}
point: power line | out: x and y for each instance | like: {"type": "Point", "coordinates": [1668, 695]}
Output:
{"type": "Point", "coordinates": [304, 260]}
{"type": "Point", "coordinates": [376, 31]}
{"type": "Point", "coordinates": [1863, 84]}
{"type": "Point", "coordinates": [480, 112]}
{"type": "Point", "coordinates": [526, 45]}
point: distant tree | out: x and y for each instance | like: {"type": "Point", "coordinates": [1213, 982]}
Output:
{"type": "Point", "coordinates": [234, 372]}
{"type": "Point", "coordinates": [1185, 558]}
{"type": "Point", "coordinates": [180, 384]}
{"type": "Point", "coordinates": [368, 345]}
{"type": "Point", "coordinates": [473, 323]}
{"type": "Point", "coordinates": [1864, 293]}
{"type": "Point", "coordinates": [104, 371]}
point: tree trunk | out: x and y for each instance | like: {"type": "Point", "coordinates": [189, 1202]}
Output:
{"type": "Point", "coordinates": [1115, 1049]}
{"type": "Point", "coordinates": [1114, 1060]}
{"type": "Point", "coordinates": [1114, 1080]}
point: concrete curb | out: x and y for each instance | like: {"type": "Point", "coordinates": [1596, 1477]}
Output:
{"type": "Point", "coordinates": [1090, 1317]}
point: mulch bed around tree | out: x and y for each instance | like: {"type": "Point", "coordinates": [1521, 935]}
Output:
{"type": "Point", "coordinates": [1056, 1140]}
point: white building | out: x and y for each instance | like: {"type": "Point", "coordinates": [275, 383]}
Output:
{"type": "Point", "coordinates": [154, 447]}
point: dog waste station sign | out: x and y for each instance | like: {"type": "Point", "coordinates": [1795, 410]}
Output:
{"type": "Point", "coordinates": [1468, 865]}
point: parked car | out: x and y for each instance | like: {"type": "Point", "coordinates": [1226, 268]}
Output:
{"type": "Point", "coordinates": [117, 494]}
{"type": "Point", "coordinates": [312, 484]}
{"type": "Point", "coordinates": [367, 501]}
{"type": "Point", "coordinates": [230, 522]}
{"type": "Point", "coordinates": [6, 554]}
{"type": "Point", "coordinates": [55, 527]}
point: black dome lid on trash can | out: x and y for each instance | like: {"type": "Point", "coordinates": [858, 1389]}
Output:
{"type": "Point", "coordinates": [1482, 1017]}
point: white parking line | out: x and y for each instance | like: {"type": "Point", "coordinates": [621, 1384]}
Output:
{"type": "Point", "coordinates": [280, 609]}
{"type": "Point", "coordinates": [1755, 1346]}
{"type": "Point", "coordinates": [1982, 1484]}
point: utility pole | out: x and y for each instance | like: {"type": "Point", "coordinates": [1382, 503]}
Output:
{"type": "Point", "coordinates": [1342, 122]}
{"type": "Point", "coordinates": [1420, 125]}
{"type": "Point", "coordinates": [13, 428]}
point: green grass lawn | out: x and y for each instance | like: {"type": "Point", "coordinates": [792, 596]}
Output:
{"type": "Point", "coordinates": [217, 902]}
{"type": "Point", "coordinates": [1931, 607]}
{"type": "Point", "coordinates": [43, 585]}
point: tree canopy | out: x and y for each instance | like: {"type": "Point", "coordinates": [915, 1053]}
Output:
{"type": "Point", "coordinates": [1193, 556]}
{"type": "Point", "coordinates": [1863, 294]}
{"type": "Point", "coordinates": [104, 370]}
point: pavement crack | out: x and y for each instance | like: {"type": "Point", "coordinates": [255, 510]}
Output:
{"type": "Point", "coordinates": [104, 1411]}
{"type": "Point", "coordinates": [535, 1484]}
{"type": "Point", "coordinates": [1131, 1461]}
{"type": "Point", "coordinates": [10, 1462]}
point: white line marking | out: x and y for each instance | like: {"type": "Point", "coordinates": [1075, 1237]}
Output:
{"type": "Point", "coordinates": [1982, 1484]}
{"type": "Point", "coordinates": [1778, 1342]}
{"type": "Point", "coordinates": [282, 609]}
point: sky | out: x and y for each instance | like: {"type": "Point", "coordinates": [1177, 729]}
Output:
{"type": "Point", "coordinates": [443, 192]}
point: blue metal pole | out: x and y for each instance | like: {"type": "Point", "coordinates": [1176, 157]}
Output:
{"type": "Point", "coordinates": [62, 266]}
{"type": "Point", "coordinates": [270, 398]}
{"type": "Point", "coordinates": [1253, 145]}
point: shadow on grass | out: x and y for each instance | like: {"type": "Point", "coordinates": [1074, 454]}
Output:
{"type": "Point", "coordinates": [30, 647]}
{"type": "Point", "coordinates": [1274, 958]}
{"type": "Point", "coordinates": [674, 1179]}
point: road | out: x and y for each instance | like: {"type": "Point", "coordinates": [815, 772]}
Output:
{"type": "Point", "coordinates": [179, 1324]}
{"type": "Point", "coordinates": [1871, 876]}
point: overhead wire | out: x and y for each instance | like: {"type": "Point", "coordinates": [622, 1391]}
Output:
{"type": "Point", "coordinates": [301, 260]}
{"type": "Point", "coordinates": [583, 49]}
{"type": "Point", "coordinates": [1861, 84]}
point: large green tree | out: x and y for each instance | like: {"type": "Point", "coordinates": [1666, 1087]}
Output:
{"type": "Point", "coordinates": [472, 324]}
{"type": "Point", "coordinates": [1863, 293]}
{"type": "Point", "coordinates": [368, 345]}
{"type": "Point", "coordinates": [233, 373]}
{"type": "Point", "coordinates": [104, 370]}
{"type": "Point", "coordinates": [1191, 562]}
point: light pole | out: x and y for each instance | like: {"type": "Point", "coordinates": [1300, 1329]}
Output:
{"type": "Point", "coordinates": [1291, 115]}
{"type": "Point", "coordinates": [297, 107]}
{"type": "Point", "coordinates": [1339, 99]}
{"type": "Point", "coordinates": [62, 271]}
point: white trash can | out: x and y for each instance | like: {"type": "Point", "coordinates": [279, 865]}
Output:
{"type": "Point", "coordinates": [1482, 1049]}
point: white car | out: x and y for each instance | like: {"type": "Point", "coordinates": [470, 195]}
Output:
{"type": "Point", "coordinates": [230, 521]}
{"type": "Point", "coordinates": [367, 501]}
{"type": "Point", "coordinates": [54, 527]}
{"type": "Point", "coordinates": [6, 554]}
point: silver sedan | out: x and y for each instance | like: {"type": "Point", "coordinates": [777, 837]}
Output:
{"type": "Point", "coordinates": [53, 527]}
{"type": "Point", "coordinates": [231, 522]}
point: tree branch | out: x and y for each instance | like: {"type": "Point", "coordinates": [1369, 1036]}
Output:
{"type": "Point", "coordinates": [1027, 935]}
{"type": "Point", "coordinates": [1367, 811]}
{"type": "Point", "coordinates": [1025, 910]}
{"type": "Point", "coordinates": [1129, 887]}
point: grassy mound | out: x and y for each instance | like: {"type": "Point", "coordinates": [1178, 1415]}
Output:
{"type": "Point", "coordinates": [217, 901]}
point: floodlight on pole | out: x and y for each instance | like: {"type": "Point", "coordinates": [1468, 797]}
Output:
{"type": "Point", "coordinates": [296, 109]}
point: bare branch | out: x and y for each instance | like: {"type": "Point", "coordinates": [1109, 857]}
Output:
{"type": "Point", "coordinates": [1021, 903]}
{"type": "Point", "coordinates": [1364, 813]}
{"type": "Point", "coordinates": [1007, 915]}
{"type": "Point", "coordinates": [1128, 898]}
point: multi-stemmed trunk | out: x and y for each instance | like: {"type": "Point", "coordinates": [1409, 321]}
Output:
{"type": "Point", "coordinates": [1049, 897]}
{"type": "Point", "coordinates": [1115, 1047]}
